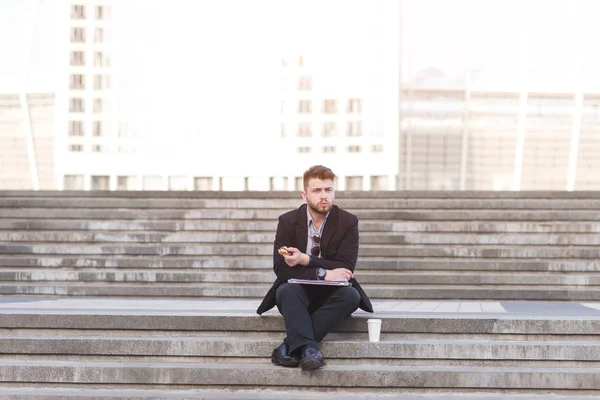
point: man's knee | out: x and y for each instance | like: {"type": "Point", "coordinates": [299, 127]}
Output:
{"type": "Point", "coordinates": [285, 290]}
{"type": "Point", "coordinates": [351, 296]}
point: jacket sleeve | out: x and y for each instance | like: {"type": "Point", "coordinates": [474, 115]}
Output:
{"type": "Point", "coordinates": [345, 255]}
{"type": "Point", "coordinates": [285, 237]}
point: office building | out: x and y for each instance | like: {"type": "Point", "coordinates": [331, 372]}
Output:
{"type": "Point", "coordinates": [138, 107]}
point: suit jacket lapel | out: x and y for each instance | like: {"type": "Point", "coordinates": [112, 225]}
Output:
{"type": "Point", "coordinates": [329, 229]}
{"type": "Point", "coordinates": [302, 228]}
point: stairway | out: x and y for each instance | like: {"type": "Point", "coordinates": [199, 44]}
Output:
{"type": "Point", "coordinates": [413, 245]}
{"type": "Point", "coordinates": [152, 295]}
{"type": "Point", "coordinates": [221, 348]}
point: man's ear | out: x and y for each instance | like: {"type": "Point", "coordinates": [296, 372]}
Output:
{"type": "Point", "coordinates": [303, 195]}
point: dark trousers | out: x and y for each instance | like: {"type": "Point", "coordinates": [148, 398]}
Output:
{"type": "Point", "coordinates": [311, 312]}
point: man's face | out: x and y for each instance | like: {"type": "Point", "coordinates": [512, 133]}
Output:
{"type": "Point", "coordinates": [319, 195]}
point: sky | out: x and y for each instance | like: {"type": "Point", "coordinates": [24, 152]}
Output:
{"type": "Point", "coordinates": [16, 32]}
{"type": "Point", "coordinates": [442, 34]}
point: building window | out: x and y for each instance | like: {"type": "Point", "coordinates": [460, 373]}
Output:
{"type": "Point", "coordinates": [101, 82]}
{"type": "Point", "coordinates": [97, 105]}
{"type": "Point", "coordinates": [97, 148]}
{"type": "Point", "coordinates": [305, 82]}
{"type": "Point", "coordinates": [75, 128]}
{"type": "Point", "coordinates": [77, 35]}
{"type": "Point", "coordinates": [354, 183]}
{"type": "Point", "coordinates": [329, 149]}
{"type": "Point", "coordinates": [98, 35]}
{"type": "Point", "coordinates": [152, 182]}
{"type": "Point", "coordinates": [100, 182]}
{"type": "Point", "coordinates": [203, 183]}
{"type": "Point", "coordinates": [278, 183]}
{"type": "Point", "coordinates": [126, 182]}
{"type": "Point", "coordinates": [354, 149]}
{"type": "Point", "coordinates": [97, 128]}
{"type": "Point", "coordinates": [283, 133]}
{"type": "Point", "coordinates": [354, 106]}
{"type": "Point", "coordinates": [73, 182]}
{"type": "Point", "coordinates": [354, 129]}
{"type": "Point", "coordinates": [77, 81]}
{"type": "Point", "coordinates": [256, 183]}
{"type": "Point", "coordinates": [304, 149]}
{"type": "Point", "coordinates": [301, 61]}
{"type": "Point", "coordinates": [305, 129]}
{"type": "Point", "coordinates": [178, 183]}
{"type": "Point", "coordinates": [76, 105]}
{"type": "Point", "coordinates": [126, 130]}
{"type": "Point", "coordinates": [379, 183]}
{"type": "Point", "coordinates": [330, 106]}
{"type": "Point", "coordinates": [377, 148]}
{"type": "Point", "coordinates": [127, 149]}
{"type": "Point", "coordinates": [284, 62]}
{"type": "Point", "coordinates": [77, 58]}
{"type": "Point", "coordinates": [329, 129]}
{"type": "Point", "coordinates": [77, 11]}
{"type": "Point", "coordinates": [101, 12]}
{"type": "Point", "coordinates": [101, 59]}
{"type": "Point", "coordinates": [232, 183]}
{"type": "Point", "coordinates": [75, 148]}
{"type": "Point", "coordinates": [304, 107]}
{"type": "Point", "coordinates": [283, 107]}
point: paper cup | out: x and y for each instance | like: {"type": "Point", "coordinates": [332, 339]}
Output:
{"type": "Point", "coordinates": [374, 326]}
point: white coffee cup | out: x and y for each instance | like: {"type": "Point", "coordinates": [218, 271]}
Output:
{"type": "Point", "coordinates": [374, 326]}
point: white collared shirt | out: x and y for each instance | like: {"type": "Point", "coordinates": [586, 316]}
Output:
{"type": "Point", "coordinates": [312, 230]}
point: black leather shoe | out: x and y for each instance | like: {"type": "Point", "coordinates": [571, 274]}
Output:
{"type": "Point", "coordinates": [312, 358]}
{"type": "Point", "coordinates": [281, 357]}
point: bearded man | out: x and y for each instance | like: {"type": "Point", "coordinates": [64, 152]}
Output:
{"type": "Point", "coordinates": [317, 241]}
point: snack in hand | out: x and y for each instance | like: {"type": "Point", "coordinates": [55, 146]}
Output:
{"type": "Point", "coordinates": [283, 251]}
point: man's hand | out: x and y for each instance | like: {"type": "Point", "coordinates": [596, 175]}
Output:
{"type": "Point", "coordinates": [339, 274]}
{"type": "Point", "coordinates": [295, 257]}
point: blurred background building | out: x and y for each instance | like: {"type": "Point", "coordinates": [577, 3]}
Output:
{"type": "Point", "coordinates": [27, 141]}
{"type": "Point", "coordinates": [223, 95]}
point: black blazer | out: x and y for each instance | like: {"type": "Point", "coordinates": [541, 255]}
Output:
{"type": "Point", "coordinates": [339, 249]}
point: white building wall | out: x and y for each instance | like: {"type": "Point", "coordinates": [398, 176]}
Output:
{"type": "Point", "coordinates": [208, 116]}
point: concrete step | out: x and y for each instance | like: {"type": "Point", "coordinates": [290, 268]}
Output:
{"type": "Point", "coordinates": [264, 249]}
{"type": "Point", "coordinates": [267, 203]}
{"type": "Point", "coordinates": [264, 359]}
{"type": "Point", "coordinates": [269, 226]}
{"type": "Point", "coordinates": [266, 276]}
{"type": "Point", "coordinates": [257, 290]}
{"type": "Point", "coordinates": [579, 321]}
{"type": "Point", "coordinates": [393, 238]}
{"type": "Point", "coordinates": [117, 392]}
{"type": "Point", "coordinates": [386, 352]}
{"type": "Point", "coordinates": [273, 214]}
{"type": "Point", "coordinates": [175, 225]}
{"type": "Point", "coordinates": [255, 194]}
{"type": "Point", "coordinates": [266, 261]}
{"type": "Point", "coordinates": [117, 261]}
{"type": "Point", "coordinates": [264, 375]}
{"type": "Point", "coordinates": [142, 275]}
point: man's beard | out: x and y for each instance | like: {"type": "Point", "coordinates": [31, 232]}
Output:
{"type": "Point", "coordinates": [319, 210]}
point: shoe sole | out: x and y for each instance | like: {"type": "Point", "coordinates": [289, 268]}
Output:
{"type": "Point", "coordinates": [310, 365]}
{"type": "Point", "coordinates": [288, 364]}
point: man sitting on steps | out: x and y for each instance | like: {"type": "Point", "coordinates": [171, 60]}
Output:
{"type": "Point", "coordinates": [321, 241]}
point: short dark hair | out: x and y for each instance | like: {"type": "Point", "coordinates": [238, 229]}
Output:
{"type": "Point", "coordinates": [317, 172]}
